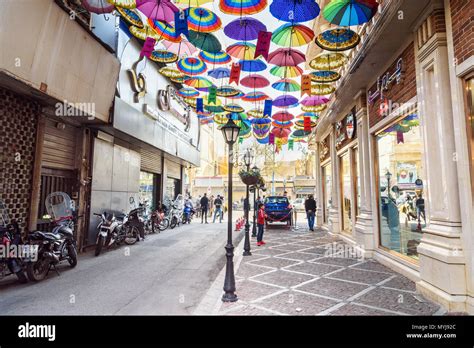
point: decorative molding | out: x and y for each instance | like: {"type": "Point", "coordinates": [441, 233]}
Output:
{"type": "Point", "coordinates": [436, 41]}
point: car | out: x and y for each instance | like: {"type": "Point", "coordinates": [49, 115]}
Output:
{"type": "Point", "coordinates": [278, 209]}
{"type": "Point", "coordinates": [298, 204]}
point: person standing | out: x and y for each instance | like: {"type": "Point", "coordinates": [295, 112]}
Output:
{"type": "Point", "coordinates": [310, 207]}
{"type": "Point", "coordinates": [211, 206]}
{"type": "Point", "coordinates": [204, 207]}
{"type": "Point", "coordinates": [218, 208]}
{"type": "Point", "coordinates": [260, 224]}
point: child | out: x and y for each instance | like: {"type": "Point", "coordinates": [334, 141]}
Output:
{"type": "Point", "coordinates": [260, 222]}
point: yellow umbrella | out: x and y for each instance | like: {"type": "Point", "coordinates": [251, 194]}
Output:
{"type": "Point", "coordinates": [322, 89]}
{"type": "Point", "coordinates": [142, 33]}
{"type": "Point", "coordinates": [191, 3]}
{"type": "Point", "coordinates": [315, 108]}
{"type": "Point", "coordinates": [328, 61]}
{"type": "Point", "coordinates": [124, 3]}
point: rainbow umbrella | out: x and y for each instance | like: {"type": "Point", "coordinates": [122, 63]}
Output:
{"type": "Point", "coordinates": [314, 100]}
{"type": "Point", "coordinates": [238, 116]}
{"type": "Point", "coordinates": [188, 93]}
{"type": "Point", "coordinates": [215, 58]}
{"type": "Point", "coordinates": [260, 122]}
{"type": "Point", "coordinates": [291, 35]}
{"type": "Point", "coordinates": [204, 41]}
{"type": "Point", "coordinates": [252, 65]}
{"type": "Point", "coordinates": [350, 12]}
{"type": "Point", "coordinates": [191, 3]}
{"type": "Point", "coordinates": [164, 30]}
{"type": "Point", "coordinates": [255, 96]}
{"type": "Point", "coordinates": [265, 140]}
{"type": "Point", "coordinates": [283, 116]}
{"type": "Point", "coordinates": [128, 4]}
{"type": "Point", "coordinates": [338, 39]}
{"type": "Point", "coordinates": [198, 82]}
{"type": "Point", "coordinates": [204, 114]}
{"type": "Point", "coordinates": [294, 11]}
{"type": "Point", "coordinates": [180, 79]}
{"type": "Point", "coordinates": [143, 33]}
{"type": "Point", "coordinates": [285, 100]}
{"type": "Point", "coordinates": [286, 71]}
{"type": "Point", "coordinates": [160, 10]}
{"type": "Point", "coordinates": [242, 50]}
{"type": "Point", "coordinates": [237, 96]}
{"type": "Point", "coordinates": [227, 91]}
{"type": "Point", "coordinates": [254, 81]}
{"type": "Point", "coordinates": [202, 20]}
{"type": "Point", "coordinates": [191, 66]}
{"type": "Point", "coordinates": [245, 29]}
{"type": "Point", "coordinates": [280, 132]}
{"type": "Point", "coordinates": [233, 108]}
{"type": "Point", "coordinates": [242, 7]}
{"type": "Point", "coordinates": [131, 16]}
{"type": "Point", "coordinates": [184, 47]}
{"type": "Point", "coordinates": [322, 89]}
{"type": "Point", "coordinates": [219, 73]}
{"type": "Point", "coordinates": [324, 76]}
{"type": "Point", "coordinates": [162, 56]}
{"type": "Point", "coordinates": [286, 57]}
{"type": "Point", "coordinates": [313, 115]}
{"type": "Point", "coordinates": [286, 85]}
{"type": "Point", "coordinates": [328, 61]}
{"type": "Point", "coordinates": [317, 108]}
{"type": "Point", "coordinates": [282, 124]}
{"type": "Point", "coordinates": [299, 124]}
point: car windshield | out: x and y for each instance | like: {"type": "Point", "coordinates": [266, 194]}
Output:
{"type": "Point", "coordinates": [280, 200]}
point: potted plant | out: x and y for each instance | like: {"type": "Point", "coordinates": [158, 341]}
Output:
{"type": "Point", "coordinates": [249, 177]}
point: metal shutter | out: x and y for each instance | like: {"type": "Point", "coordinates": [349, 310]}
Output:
{"type": "Point", "coordinates": [59, 147]}
{"type": "Point", "coordinates": [151, 161]}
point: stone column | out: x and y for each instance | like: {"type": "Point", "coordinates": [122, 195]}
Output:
{"type": "Point", "coordinates": [334, 220]}
{"type": "Point", "coordinates": [319, 189]}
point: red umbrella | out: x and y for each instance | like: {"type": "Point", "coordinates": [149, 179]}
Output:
{"type": "Point", "coordinates": [281, 132]}
{"type": "Point", "coordinates": [286, 57]}
{"type": "Point", "coordinates": [254, 81]}
{"type": "Point", "coordinates": [283, 116]}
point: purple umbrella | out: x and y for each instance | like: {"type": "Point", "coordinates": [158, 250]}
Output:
{"type": "Point", "coordinates": [315, 100]}
{"type": "Point", "coordinates": [285, 100]}
{"type": "Point", "coordinates": [161, 10]}
{"type": "Point", "coordinates": [244, 29]}
{"type": "Point", "coordinates": [219, 73]}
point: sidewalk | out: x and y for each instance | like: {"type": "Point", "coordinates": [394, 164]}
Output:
{"type": "Point", "coordinates": [295, 274]}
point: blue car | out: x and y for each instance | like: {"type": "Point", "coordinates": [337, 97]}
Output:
{"type": "Point", "coordinates": [278, 209]}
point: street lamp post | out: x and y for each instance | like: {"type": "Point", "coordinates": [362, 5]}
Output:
{"type": "Point", "coordinates": [247, 161]}
{"type": "Point", "coordinates": [255, 188]}
{"type": "Point", "coordinates": [388, 176]}
{"type": "Point", "coordinates": [231, 132]}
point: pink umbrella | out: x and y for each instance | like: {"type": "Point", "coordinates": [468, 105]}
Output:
{"type": "Point", "coordinates": [161, 10]}
{"type": "Point", "coordinates": [283, 116]}
{"type": "Point", "coordinates": [286, 57]}
{"type": "Point", "coordinates": [281, 132]}
{"type": "Point", "coordinates": [315, 100]}
{"type": "Point", "coordinates": [254, 81]}
{"type": "Point", "coordinates": [98, 6]}
{"type": "Point", "coordinates": [184, 47]}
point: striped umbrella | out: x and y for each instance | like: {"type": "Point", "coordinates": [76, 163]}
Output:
{"type": "Point", "coordinates": [191, 66]}
{"type": "Point", "coordinates": [215, 58]}
{"type": "Point", "coordinates": [255, 96]}
{"type": "Point", "coordinates": [282, 124]}
{"type": "Point", "coordinates": [164, 30]}
{"type": "Point", "coordinates": [242, 50]}
{"type": "Point", "coordinates": [324, 76]}
{"type": "Point", "coordinates": [202, 20]}
{"type": "Point", "coordinates": [233, 108]}
{"type": "Point", "coordinates": [286, 85]}
{"type": "Point", "coordinates": [283, 116]}
{"type": "Point", "coordinates": [286, 71]}
{"type": "Point", "coordinates": [242, 7]}
{"type": "Point", "coordinates": [198, 82]}
{"type": "Point", "coordinates": [291, 35]}
{"type": "Point", "coordinates": [350, 12]}
{"type": "Point", "coordinates": [188, 93]}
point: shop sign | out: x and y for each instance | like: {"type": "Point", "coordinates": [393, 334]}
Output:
{"type": "Point", "coordinates": [324, 149]}
{"type": "Point", "coordinates": [340, 134]}
{"type": "Point", "coordinates": [138, 81]}
{"type": "Point", "coordinates": [385, 81]}
{"type": "Point", "coordinates": [169, 100]}
{"type": "Point", "coordinates": [154, 113]}
{"type": "Point", "coordinates": [350, 125]}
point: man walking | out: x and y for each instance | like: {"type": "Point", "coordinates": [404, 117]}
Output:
{"type": "Point", "coordinates": [204, 207]}
{"type": "Point", "coordinates": [310, 207]}
{"type": "Point", "coordinates": [218, 209]}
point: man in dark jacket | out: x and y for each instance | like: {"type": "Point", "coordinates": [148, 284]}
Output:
{"type": "Point", "coordinates": [310, 207]}
{"type": "Point", "coordinates": [204, 207]}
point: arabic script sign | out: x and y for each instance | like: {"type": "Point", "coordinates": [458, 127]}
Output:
{"type": "Point", "coordinates": [384, 82]}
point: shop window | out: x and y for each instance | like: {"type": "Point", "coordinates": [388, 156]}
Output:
{"type": "Point", "coordinates": [327, 191]}
{"type": "Point", "coordinates": [470, 124]}
{"type": "Point", "coordinates": [357, 180]}
{"type": "Point", "coordinates": [173, 188]}
{"type": "Point", "coordinates": [346, 193]}
{"type": "Point", "coordinates": [402, 216]}
{"type": "Point", "coordinates": [149, 188]}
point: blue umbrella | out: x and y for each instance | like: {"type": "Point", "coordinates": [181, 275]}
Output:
{"type": "Point", "coordinates": [294, 11]}
{"type": "Point", "coordinates": [252, 65]}
{"type": "Point", "coordinates": [219, 73]}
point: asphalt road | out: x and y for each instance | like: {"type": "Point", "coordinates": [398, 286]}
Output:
{"type": "Point", "coordinates": [168, 273]}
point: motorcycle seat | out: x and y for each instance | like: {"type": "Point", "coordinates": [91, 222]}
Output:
{"type": "Point", "coordinates": [45, 235]}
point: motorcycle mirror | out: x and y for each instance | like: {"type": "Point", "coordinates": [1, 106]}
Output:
{"type": "Point", "coordinates": [73, 204]}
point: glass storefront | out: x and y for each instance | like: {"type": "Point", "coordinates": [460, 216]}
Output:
{"type": "Point", "coordinates": [470, 123]}
{"type": "Point", "coordinates": [401, 198]}
{"type": "Point", "coordinates": [346, 193]}
{"type": "Point", "coordinates": [149, 188]}
{"type": "Point", "coordinates": [357, 179]}
{"type": "Point", "coordinates": [173, 188]}
{"type": "Point", "coordinates": [327, 175]}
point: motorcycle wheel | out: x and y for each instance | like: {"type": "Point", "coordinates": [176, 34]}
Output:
{"type": "Point", "coordinates": [22, 277]}
{"type": "Point", "coordinates": [132, 236]}
{"type": "Point", "coordinates": [99, 245]}
{"type": "Point", "coordinates": [149, 228]}
{"type": "Point", "coordinates": [72, 255]}
{"type": "Point", "coordinates": [174, 222]}
{"type": "Point", "coordinates": [164, 224]}
{"type": "Point", "coordinates": [37, 271]}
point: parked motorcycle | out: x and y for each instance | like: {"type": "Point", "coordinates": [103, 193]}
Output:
{"type": "Point", "coordinates": [188, 214]}
{"type": "Point", "coordinates": [176, 216]}
{"type": "Point", "coordinates": [135, 221]}
{"type": "Point", "coordinates": [106, 230]}
{"type": "Point", "coordinates": [158, 221]}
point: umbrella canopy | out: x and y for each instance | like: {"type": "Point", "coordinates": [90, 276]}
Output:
{"type": "Point", "coordinates": [242, 7]}
{"type": "Point", "coordinates": [180, 79]}
{"type": "Point", "coordinates": [350, 12]}
{"type": "Point", "coordinates": [237, 96]}
{"type": "Point", "coordinates": [242, 50]}
{"type": "Point", "coordinates": [205, 41]}
{"type": "Point", "coordinates": [286, 71]}
{"type": "Point", "coordinates": [280, 132]}
{"type": "Point", "coordinates": [202, 20]}
{"type": "Point", "coordinates": [252, 65]}
{"type": "Point", "coordinates": [171, 72]}
{"type": "Point", "coordinates": [325, 76]}
{"type": "Point", "coordinates": [164, 30]}
{"type": "Point", "coordinates": [255, 96]}
{"type": "Point", "coordinates": [294, 11]}
{"type": "Point", "coordinates": [160, 10]}
{"type": "Point", "coordinates": [313, 115]}
{"type": "Point", "coordinates": [198, 82]}
{"type": "Point", "coordinates": [188, 93]}
{"type": "Point", "coordinates": [163, 56]}
{"type": "Point", "coordinates": [182, 48]}
{"type": "Point", "coordinates": [143, 33]}
{"type": "Point", "coordinates": [317, 108]}
{"type": "Point", "coordinates": [219, 73]}
{"type": "Point", "coordinates": [131, 16]}
{"type": "Point", "coordinates": [338, 39]}
{"type": "Point", "coordinates": [328, 61]}
{"type": "Point", "coordinates": [315, 100]}
{"type": "Point", "coordinates": [286, 85]}
{"type": "Point", "coordinates": [255, 113]}
{"type": "Point", "coordinates": [260, 122]}
{"type": "Point", "coordinates": [286, 57]}
{"type": "Point", "coordinates": [191, 3]}
{"type": "Point", "coordinates": [322, 89]}
{"type": "Point", "coordinates": [215, 58]}
{"type": "Point", "coordinates": [191, 66]}
{"type": "Point", "coordinates": [254, 81]}
{"type": "Point", "coordinates": [227, 91]}
{"type": "Point", "coordinates": [233, 108]}
{"type": "Point", "coordinates": [283, 116]}
{"type": "Point", "coordinates": [299, 124]}
{"type": "Point", "coordinates": [129, 4]}
{"type": "Point", "coordinates": [291, 35]}
{"type": "Point", "coordinates": [216, 109]}
{"type": "Point", "coordinates": [98, 6]}
{"type": "Point", "coordinates": [204, 114]}
{"type": "Point", "coordinates": [282, 124]}
{"type": "Point", "coordinates": [300, 133]}
{"type": "Point", "coordinates": [285, 100]}
{"type": "Point", "coordinates": [245, 29]}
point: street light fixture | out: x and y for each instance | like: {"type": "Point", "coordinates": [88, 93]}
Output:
{"type": "Point", "coordinates": [231, 133]}
{"type": "Point", "coordinates": [248, 157]}
{"type": "Point", "coordinates": [255, 189]}
{"type": "Point", "coordinates": [388, 176]}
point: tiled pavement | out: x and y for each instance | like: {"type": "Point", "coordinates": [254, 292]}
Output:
{"type": "Point", "coordinates": [295, 274]}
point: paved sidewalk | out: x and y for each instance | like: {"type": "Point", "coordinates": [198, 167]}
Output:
{"type": "Point", "coordinates": [295, 274]}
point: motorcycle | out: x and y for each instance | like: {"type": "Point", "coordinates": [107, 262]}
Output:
{"type": "Point", "coordinates": [176, 216]}
{"type": "Point", "coordinates": [188, 214]}
{"type": "Point", "coordinates": [158, 220]}
{"type": "Point", "coordinates": [135, 222]}
{"type": "Point", "coordinates": [106, 229]}
{"type": "Point", "coordinates": [56, 246]}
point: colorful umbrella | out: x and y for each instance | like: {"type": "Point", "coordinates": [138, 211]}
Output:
{"type": "Point", "coordinates": [219, 73]}
{"type": "Point", "coordinates": [227, 91]}
{"type": "Point", "coordinates": [283, 116]}
{"type": "Point", "coordinates": [280, 132]}
{"type": "Point", "coordinates": [265, 140]}
{"type": "Point", "coordinates": [98, 6]}
{"type": "Point", "coordinates": [350, 12]}
{"type": "Point", "coordinates": [160, 10]}
{"type": "Point", "coordinates": [220, 119]}
{"type": "Point", "coordinates": [182, 48]}
{"type": "Point", "coordinates": [242, 7]}
{"type": "Point", "coordinates": [255, 113]}
{"type": "Point", "coordinates": [198, 82]}
{"type": "Point", "coordinates": [205, 41]}
{"type": "Point", "coordinates": [128, 4]}
{"type": "Point", "coordinates": [285, 100]}
{"type": "Point", "coordinates": [164, 30]}
{"type": "Point", "coordinates": [245, 29]}
{"type": "Point", "coordinates": [204, 114]}
{"type": "Point", "coordinates": [143, 33]}
{"type": "Point", "coordinates": [162, 56]}
{"type": "Point", "coordinates": [318, 108]}
{"type": "Point", "coordinates": [325, 76]}
{"type": "Point", "coordinates": [313, 115]}
{"type": "Point", "coordinates": [338, 39]}
{"type": "Point", "coordinates": [191, 66]}
{"type": "Point", "coordinates": [299, 124]}
{"type": "Point", "coordinates": [300, 133]}
{"type": "Point", "coordinates": [215, 58]}
{"type": "Point", "coordinates": [286, 85]}
{"type": "Point", "coordinates": [180, 79]}
{"type": "Point", "coordinates": [202, 20]}
{"type": "Point", "coordinates": [291, 35]}
{"type": "Point", "coordinates": [131, 16]}
{"type": "Point", "coordinates": [242, 50]}
{"type": "Point", "coordinates": [322, 89]}
{"type": "Point", "coordinates": [328, 61]}
{"type": "Point", "coordinates": [286, 71]}
{"type": "Point", "coordinates": [255, 96]}
{"type": "Point", "coordinates": [188, 93]}
{"type": "Point", "coordinates": [286, 57]}
{"type": "Point", "coordinates": [314, 100]}
{"type": "Point", "coordinates": [191, 3]}
{"type": "Point", "coordinates": [294, 11]}
{"type": "Point", "coordinates": [283, 124]}
{"type": "Point", "coordinates": [233, 108]}
{"type": "Point", "coordinates": [260, 122]}
{"type": "Point", "coordinates": [252, 65]}
{"type": "Point", "coordinates": [254, 81]}
{"type": "Point", "coordinates": [171, 72]}
{"type": "Point", "coordinates": [216, 109]}
{"type": "Point", "coordinates": [237, 96]}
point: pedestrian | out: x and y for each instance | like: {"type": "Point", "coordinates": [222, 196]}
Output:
{"type": "Point", "coordinates": [420, 210]}
{"type": "Point", "coordinates": [218, 209]}
{"type": "Point", "coordinates": [204, 207]}
{"type": "Point", "coordinates": [211, 206]}
{"type": "Point", "coordinates": [260, 223]}
{"type": "Point", "coordinates": [310, 207]}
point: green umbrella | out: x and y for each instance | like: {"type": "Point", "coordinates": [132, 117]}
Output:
{"type": "Point", "coordinates": [205, 41]}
